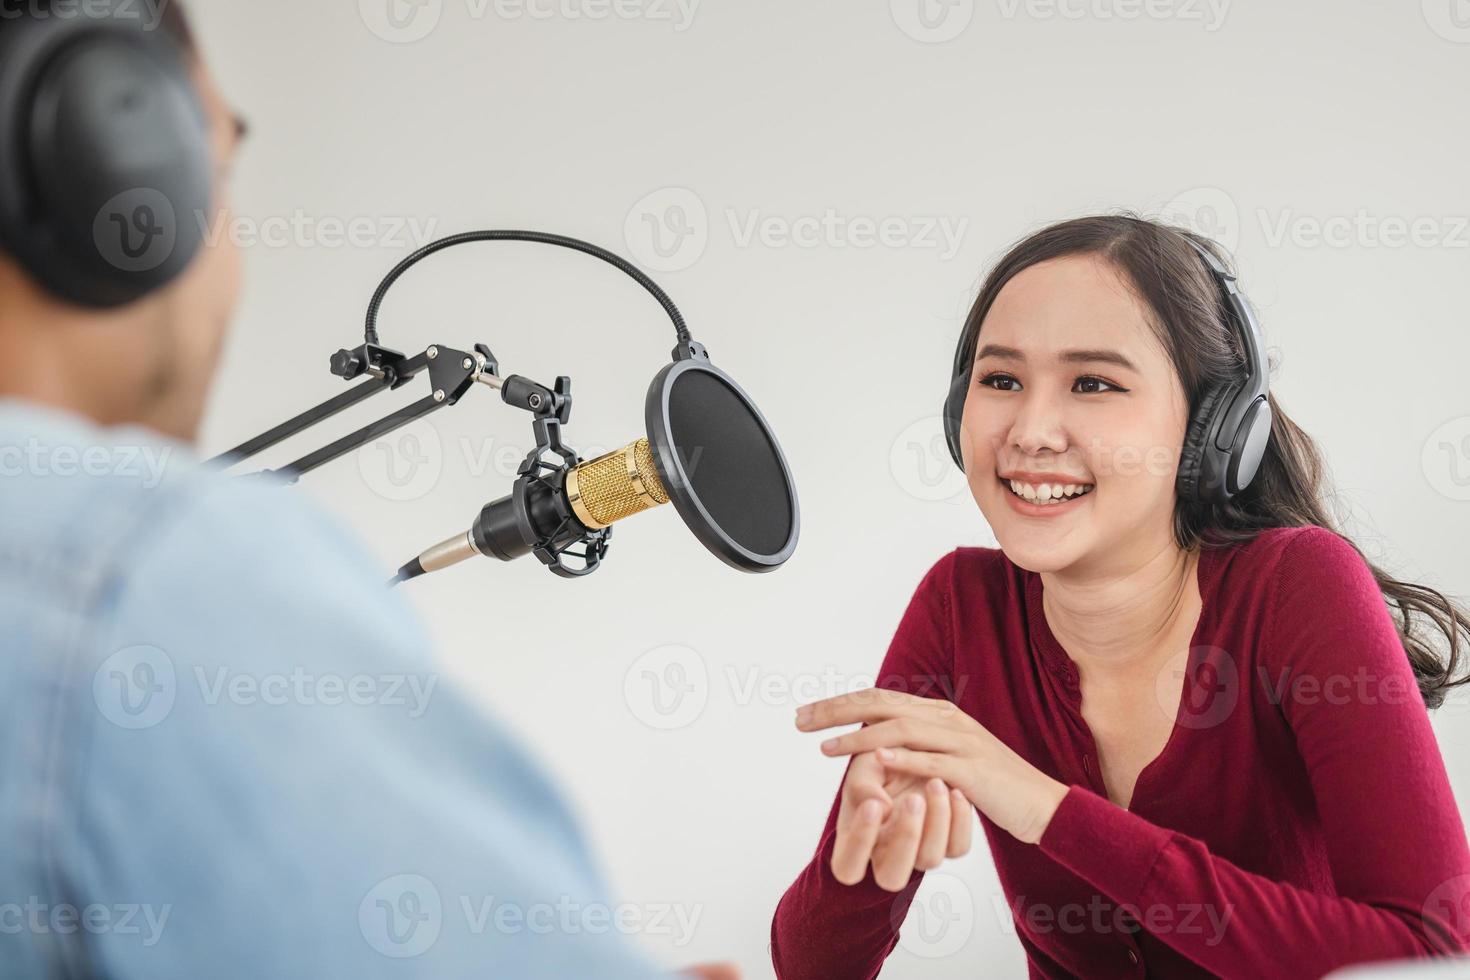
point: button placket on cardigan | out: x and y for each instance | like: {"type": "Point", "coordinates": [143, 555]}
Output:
{"type": "Point", "coordinates": [1056, 660]}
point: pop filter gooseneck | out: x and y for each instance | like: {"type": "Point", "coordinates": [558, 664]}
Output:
{"type": "Point", "coordinates": [370, 331]}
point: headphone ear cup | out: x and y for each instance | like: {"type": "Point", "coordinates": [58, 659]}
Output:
{"type": "Point", "coordinates": [954, 411]}
{"type": "Point", "coordinates": [119, 171]}
{"type": "Point", "coordinates": [1250, 445]}
{"type": "Point", "coordinates": [1189, 482]}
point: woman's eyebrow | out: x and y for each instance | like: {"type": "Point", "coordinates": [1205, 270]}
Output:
{"type": "Point", "coordinates": [1074, 356]}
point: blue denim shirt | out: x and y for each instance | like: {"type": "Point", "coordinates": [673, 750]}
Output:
{"type": "Point", "coordinates": [228, 750]}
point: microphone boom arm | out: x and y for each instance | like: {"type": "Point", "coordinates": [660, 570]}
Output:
{"type": "Point", "coordinates": [452, 373]}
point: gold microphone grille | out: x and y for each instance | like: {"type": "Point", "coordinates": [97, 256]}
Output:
{"type": "Point", "coordinates": [618, 485]}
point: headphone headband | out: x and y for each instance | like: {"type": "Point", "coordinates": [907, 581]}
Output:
{"type": "Point", "coordinates": [1242, 316]}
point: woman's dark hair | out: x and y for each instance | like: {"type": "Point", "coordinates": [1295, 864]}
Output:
{"type": "Point", "coordinates": [1190, 320]}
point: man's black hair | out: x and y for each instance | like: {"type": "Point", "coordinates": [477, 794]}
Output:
{"type": "Point", "coordinates": [175, 21]}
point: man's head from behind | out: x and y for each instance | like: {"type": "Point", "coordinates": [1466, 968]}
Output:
{"type": "Point", "coordinates": [83, 342]}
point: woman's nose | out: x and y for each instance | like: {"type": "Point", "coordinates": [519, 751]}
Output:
{"type": "Point", "coordinates": [1038, 425]}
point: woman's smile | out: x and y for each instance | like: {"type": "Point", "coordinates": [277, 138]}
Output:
{"type": "Point", "coordinates": [1043, 498]}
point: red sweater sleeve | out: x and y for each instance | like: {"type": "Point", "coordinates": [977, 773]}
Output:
{"type": "Point", "coordinates": [824, 929]}
{"type": "Point", "coordinates": [1395, 840]}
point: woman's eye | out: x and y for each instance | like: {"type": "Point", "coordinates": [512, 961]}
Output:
{"type": "Point", "coordinates": [1006, 378]}
{"type": "Point", "coordinates": [1100, 381]}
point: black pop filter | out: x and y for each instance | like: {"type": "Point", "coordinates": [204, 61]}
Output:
{"type": "Point", "coordinates": [721, 465]}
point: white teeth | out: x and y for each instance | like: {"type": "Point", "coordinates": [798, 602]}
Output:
{"type": "Point", "coordinates": [1049, 493]}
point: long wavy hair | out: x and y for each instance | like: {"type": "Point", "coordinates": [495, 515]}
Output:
{"type": "Point", "coordinates": [1190, 320]}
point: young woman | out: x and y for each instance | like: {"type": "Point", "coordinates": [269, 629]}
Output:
{"type": "Point", "coordinates": [1196, 736]}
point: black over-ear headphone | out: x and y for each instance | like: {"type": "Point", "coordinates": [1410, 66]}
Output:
{"type": "Point", "coordinates": [105, 167]}
{"type": "Point", "coordinates": [1228, 430]}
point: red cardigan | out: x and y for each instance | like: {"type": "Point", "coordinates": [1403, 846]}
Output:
{"type": "Point", "coordinates": [1298, 819]}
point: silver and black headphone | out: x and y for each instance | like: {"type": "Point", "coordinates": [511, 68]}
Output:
{"type": "Point", "coordinates": [1229, 429]}
{"type": "Point", "coordinates": [105, 168]}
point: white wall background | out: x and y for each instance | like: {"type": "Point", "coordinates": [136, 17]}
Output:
{"type": "Point", "coordinates": [1314, 136]}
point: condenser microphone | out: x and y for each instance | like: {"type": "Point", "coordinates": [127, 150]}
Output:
{"type": "Point", "coordinates": [708, 450]}
{"type": "Point", "coordinates": [599, 494]}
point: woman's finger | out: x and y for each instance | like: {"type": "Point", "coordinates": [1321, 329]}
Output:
{"type": "Point", "coordinates": [865, 776]}
{"type": "Point", "coordinates": [912, 733]}
{"type": "Point", "coordinates": [893, 859]}
{"type": "Point", "coordinates": [938, 765]}
{"type": "Point", "coordinates": [961, 824]}
{"type": "Point", "coordinates": [937, 821]}
{"type": "Point", "coordinates": [870, 705]}
{"type": "Point", "coordinates": [854, 846]}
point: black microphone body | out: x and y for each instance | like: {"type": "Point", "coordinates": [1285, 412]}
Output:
{"type": "Point", "coordinates": [509, 528]}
